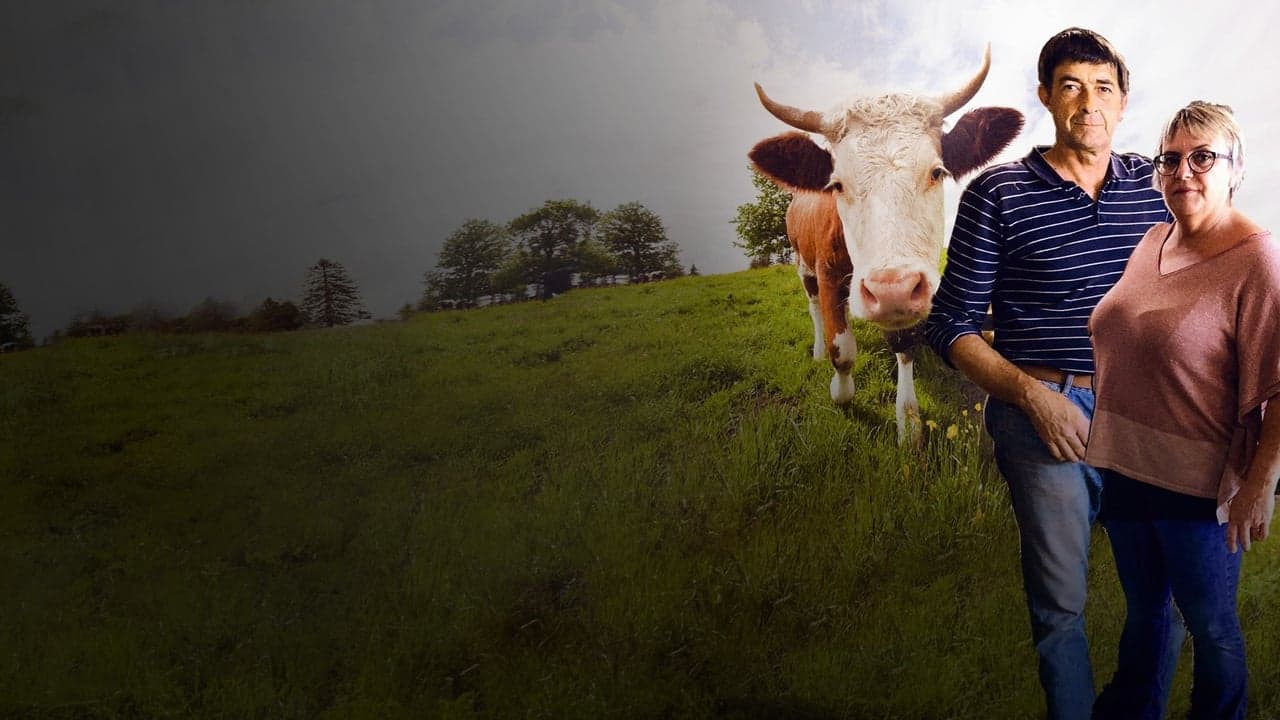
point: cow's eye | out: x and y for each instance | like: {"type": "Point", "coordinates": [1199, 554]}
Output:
{"type": "Point", "coordinates": [938, 173]}
{"type": "Point", "coordinates": [834, 186]}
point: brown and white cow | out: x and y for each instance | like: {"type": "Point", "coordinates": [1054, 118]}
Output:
{"type": "Point", "coordinates": [866, 215]}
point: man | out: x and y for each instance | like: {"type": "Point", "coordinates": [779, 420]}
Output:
{"type": "Point", "coordinates": [1040, 241]}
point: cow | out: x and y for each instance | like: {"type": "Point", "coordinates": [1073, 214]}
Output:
{"type": "Point", "coordinates": [866, 218]}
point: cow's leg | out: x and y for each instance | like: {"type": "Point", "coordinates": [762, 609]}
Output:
{"type": "Point", "coordinates": [908, 408]}
{"type": "Point", "coordinates": [842, 348]}
{"type": "Point", "coordinates": [903, 344]}
{"type": "Point", "coordinates": [810, 281]}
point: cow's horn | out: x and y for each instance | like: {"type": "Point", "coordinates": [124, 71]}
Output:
{"type": "Point", "coordinates": [956, 100]}
{"type": "Point", "coordinates": [808, 120]}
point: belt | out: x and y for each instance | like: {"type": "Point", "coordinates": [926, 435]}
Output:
{"type": "Point", "coordinates": [1054, 375]}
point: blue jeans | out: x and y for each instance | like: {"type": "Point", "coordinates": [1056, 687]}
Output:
{"type": "Point", "coordinates": [1187, 559]}
{"type": "Point", "coordinates": [1055, 503]}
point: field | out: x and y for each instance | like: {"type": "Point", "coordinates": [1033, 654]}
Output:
{"type": "Point", "coordinates": [632, 502]}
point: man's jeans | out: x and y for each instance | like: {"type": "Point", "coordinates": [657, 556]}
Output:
{"type": "Point", "coordinates": [1189, 559]}
{"type": "Point", "coordinates": [1055, 503]}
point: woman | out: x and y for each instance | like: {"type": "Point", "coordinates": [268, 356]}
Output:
{"type": "Point", "coordinates": [1186, 363]}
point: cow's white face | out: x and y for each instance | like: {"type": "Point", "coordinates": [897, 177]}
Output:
{"type": "Point", "coordinates": [877, 183]}
{"type": "Point", "coordinates": [887, 181]}
{"type": "Point", "coordinates": [884, 166]}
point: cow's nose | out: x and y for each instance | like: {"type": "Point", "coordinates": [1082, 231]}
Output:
{"type": "Point", "coordinates": [895, 297]}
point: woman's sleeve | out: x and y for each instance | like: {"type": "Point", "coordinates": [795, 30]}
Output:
{"type": "Point", "coordinates": [1258, 332]}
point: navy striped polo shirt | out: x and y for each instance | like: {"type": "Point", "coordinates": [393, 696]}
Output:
{"type": "Point", "coordinates": [1041, 253]}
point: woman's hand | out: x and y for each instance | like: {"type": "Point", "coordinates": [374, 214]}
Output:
{"type": "Point", "coordinates": [1250, 516]}
{"type": "Point", "coordinates": [1251, 509]}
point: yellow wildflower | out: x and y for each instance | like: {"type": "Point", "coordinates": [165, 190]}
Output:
{"type": "Point", "coordinates": [953, 431]}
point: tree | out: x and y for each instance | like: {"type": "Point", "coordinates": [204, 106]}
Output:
{"type": "Point", "coordinates": [671, 267]}
{"type": "Point", "coordinates": [212, 315]}
{"type": "Point", "coordinates": [272, 316]}
{"type": "Point", "coordinates": [15, 325]}
{"type": "Point", "coordinates": [512, 279]}
{"type": "Point", "coordinates": [551, 235]}
{"type": "Point", "coordinates": [693, 270]}
{"type": "Point", "coordinates": [150, 316]}
{"type": "Point", "coordinates": [331, 296]}
{"type": "Point", "coordinates": [435, 290]}
{"type": "Point", "coordinates": [762, 225]}
{"type": "Point", "coordinates": [635, 235]}
{"type": "Point", "coordinates": [595, 262]}
{"type": "Point", "coordinates": [470, 257]}
{"type": "Point", "coordinates": [95, 323]}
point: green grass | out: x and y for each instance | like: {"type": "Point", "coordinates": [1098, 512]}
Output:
{"type": "Point", "coordinates": [628, 502]}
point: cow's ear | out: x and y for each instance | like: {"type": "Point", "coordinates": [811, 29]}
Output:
{"type": "Point", "coordinates": [978, 137]}
{"type": "Point", "coordinates": [793, 160]}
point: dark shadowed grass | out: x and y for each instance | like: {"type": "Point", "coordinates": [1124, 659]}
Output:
{"type": "Point", "coordinates": [628, 502]}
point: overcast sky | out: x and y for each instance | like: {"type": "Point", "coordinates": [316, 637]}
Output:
{"type": "Point", "coordinates": [165, 151]}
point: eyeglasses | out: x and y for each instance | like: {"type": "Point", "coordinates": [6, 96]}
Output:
{"type": "Point", "coordinates": [1200, 161]}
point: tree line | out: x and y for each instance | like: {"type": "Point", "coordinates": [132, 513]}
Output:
{"type": "Point", "coordinates": [544, 252]}
{"type": "Point", "coordinates": [564, 243]}
{"type": "Point", "coordinates": [548, 250]}
{"type": "Point", "coordinates": [330, 298]}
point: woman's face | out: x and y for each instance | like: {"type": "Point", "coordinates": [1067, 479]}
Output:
{"type": "Point", "coordinates": [1189, 193]}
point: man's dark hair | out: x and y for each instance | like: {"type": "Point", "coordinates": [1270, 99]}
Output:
{"type": "Point", "coordinates": [1080, 45]}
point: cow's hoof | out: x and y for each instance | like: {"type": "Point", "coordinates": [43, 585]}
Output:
{"type": "Point", "coordinates": [842, 389]}
{"type": "Point", "coordinates": [910, 434]}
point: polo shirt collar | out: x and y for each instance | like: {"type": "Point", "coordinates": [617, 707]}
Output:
{"type": "Point", "coordinates": [1043, 170]}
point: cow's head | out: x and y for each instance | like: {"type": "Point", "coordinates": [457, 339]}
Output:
{"type": "Point", "coordinates": [886, 162]}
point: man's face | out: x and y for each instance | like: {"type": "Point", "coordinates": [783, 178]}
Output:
{"type": "Point", "coordinates": [1086, 104]}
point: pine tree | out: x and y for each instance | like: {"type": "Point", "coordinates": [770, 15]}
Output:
{"type": "Point", "coordinates": [331, 297]}
{"type": "Point", "coordinates": [15, 326]}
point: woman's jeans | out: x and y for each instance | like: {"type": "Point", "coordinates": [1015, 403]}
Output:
{"type": "Point", "coordinates": [1188, 559]}
{"type": "Point", "coordinates": [1055, 504]}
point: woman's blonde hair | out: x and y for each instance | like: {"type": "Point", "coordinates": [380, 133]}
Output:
{"type": "Point", "coordinates": [1208, 119]}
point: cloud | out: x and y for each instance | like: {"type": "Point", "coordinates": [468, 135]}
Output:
{"type": "Point", "coordinates": [220, 149]}
{"type": "Point", "coordinates": [1175, 52]}
{"type": "Point", "coordinates": [654, 106]}
{"type": "Point", "coordinates": [632, 106]}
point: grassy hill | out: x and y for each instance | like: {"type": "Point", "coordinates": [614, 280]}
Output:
{"type": "Point", "coordinates": [628, 502]}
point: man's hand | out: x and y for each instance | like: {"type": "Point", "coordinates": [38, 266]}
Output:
{"type": "Point", "coordinates": [1061, 424]}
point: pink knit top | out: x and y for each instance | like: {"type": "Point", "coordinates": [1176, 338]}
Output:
{"type": "Point", "coordinates": [1185, 362]}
